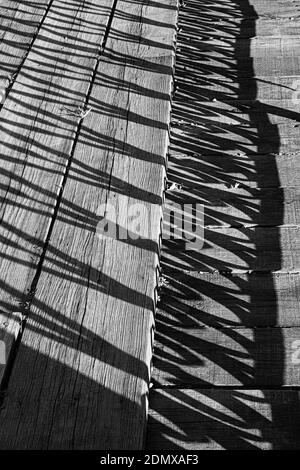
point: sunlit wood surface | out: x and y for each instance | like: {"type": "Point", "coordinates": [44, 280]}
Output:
{"type": "Point", "coordinates": [84, 124]}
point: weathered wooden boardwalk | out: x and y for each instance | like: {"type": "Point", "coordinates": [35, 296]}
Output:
{"type": "Point", "coordinates": [227, 344]}
{"type": "Point", "coordinates": [85, 90]}
{"type": "Point", "coordinates": [84, 124]}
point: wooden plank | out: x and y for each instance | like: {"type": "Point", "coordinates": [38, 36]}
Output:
{"type": "Point", "coordinates": [270, 8]}
{"type": "Point", "coordinates": [208, 357]}
{"type": "Point", "coordinates": [229, 249]}
{"type": "Point", "coordinates": [39, 122]}
{"type": "Point", "coordinates": [286, 129]}
{"type": "Point", "coordinates": [234, 112]}
{"type": "Point", "coordinates": [230, 28]}
{"type": "Point", "coordinates": [277, 27]}
{"type": "Point", "coordinates": [222, 172]}
{"type": "Point", "coordinates": [196, 299]}
{"type": "Point", "coordinates": [246, 67]}
{"type": "Point", "coordinates": [235, 207]}
{"type": "Point", "coordinates": [19, 23]}
{"type": "Point", "coordinates": [245, 51]}
{"type": "Point", "coordinates": [224, 419]}
{"type": "Point", "coordinates": [243, 9]}
{"type": "Point", "coordinates": [236, 123]}
{"type": "Point", "coordinates": [87, 343]}
{"type": "Point", "coordinates": [10, 329]}
{"type": "Point", "coordinates": [269, 89]}
{"type": "Point", "coordinates": [216, 55]}
{"type": "Point", "coordinates": [213, 139]}
{"type": "Point", "coordinates": [256, 48]}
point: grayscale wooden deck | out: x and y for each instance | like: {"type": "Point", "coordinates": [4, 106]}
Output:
{"type": "Point", "coordinates": [227, 363]}
{"type": "Point", "coordinates": [84, 124]}
{"type": "Point", "coordinates": [86, 132]}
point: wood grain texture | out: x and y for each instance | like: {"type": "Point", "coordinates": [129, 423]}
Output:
{"type": "Point", "coordinates": [254, 9]}
{"type": "Point", "coordinates": [224, 419]}
{"type": "Point", "coordinates": [10, 329]}
{"type": "Point", "coordinates": [228, 28]}
{"type": "Point", "coordinates": [275, 64]}
{"type": "Point", "coordinates": [223, 308]}
{"type": "Point", "coordinates": [82, 372]}
{"type": "Point", "coordinates": [209, 140]}
{"type": "Point", "coordinates": [198, 357]}
{"type": "Point", "coordinates": [19, 23]}
{"type": "Point", "coordinates": [269, 89]}
{"type": "Point", "coordinates": [228, 249]}
{"type": "Point", "coordinates": [237, 207]}
{"type": "Point", "coordinates": [260, 48]}
{"type": "Point", "coordinates": [220, 174]}
{"type": "Point", "coordinates": [193, 299]}
{"type": "Point", "coordinates": [234, 111]}
{"type": "Point", "coordinates": [270, 8]}
{"type": "Point", "coordinates": [39, 122]}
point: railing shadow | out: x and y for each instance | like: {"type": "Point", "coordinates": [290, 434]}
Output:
{"type": "Point", "coordinates": [221, 137]}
